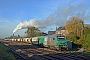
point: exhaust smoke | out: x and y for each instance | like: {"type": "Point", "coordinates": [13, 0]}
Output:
{"type": "Point", "coordinates": [59, 17]}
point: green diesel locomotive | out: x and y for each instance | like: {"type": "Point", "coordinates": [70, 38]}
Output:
{"type": "Point", "coordinates": [55, 41]}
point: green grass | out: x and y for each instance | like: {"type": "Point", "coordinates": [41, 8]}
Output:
{"type": "Point", "coordinates": [4, 54]}
{"type": "Point", "coordinates": [87, 52]}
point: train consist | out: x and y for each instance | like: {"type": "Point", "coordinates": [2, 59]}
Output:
{"type": "Point", "coordinates": [58, 42]}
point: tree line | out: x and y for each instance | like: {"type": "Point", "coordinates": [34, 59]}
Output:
{"type": "Point", "coordinates": [33, 32]}
{"type": "Point", "coordinates": [78, 34]}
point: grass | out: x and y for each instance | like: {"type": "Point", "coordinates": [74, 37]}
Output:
{"type": "Point", "coordinates": [87, 52]}
{"type": "Point", "coordinates": [4, 54]}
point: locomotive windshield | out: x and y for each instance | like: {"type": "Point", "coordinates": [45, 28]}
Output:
{"type": "Point", "coordinates": [61, 38]}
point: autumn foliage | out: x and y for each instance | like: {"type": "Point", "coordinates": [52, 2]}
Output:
{"type": "Point", "coordinates": [78, 34]}
{"type": "Point", "coordinates": [75, 25]}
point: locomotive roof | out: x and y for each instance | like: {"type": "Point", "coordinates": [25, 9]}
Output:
{"type": "Point", "coordinates": [52, 36]}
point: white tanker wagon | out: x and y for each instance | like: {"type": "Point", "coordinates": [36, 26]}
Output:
{"type": "Point", "coordinates": [35, 40]}
{"type": "Point", "coordinates": [28, 40]}
{"type": "Point", "coordinates": [24, 39]}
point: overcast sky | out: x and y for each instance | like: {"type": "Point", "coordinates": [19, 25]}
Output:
{"type": "Point", "coordinates": [12, 12]}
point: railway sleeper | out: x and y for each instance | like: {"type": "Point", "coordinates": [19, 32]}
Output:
{"type": "Point", "coordinates": [48, 57]}
{"type": "Point", "coordinates": [35, 57]}
{"type": "Point", "coordinates": [54, 56]}
{"type": "Point", "coordinates": [60, 57]}
{"type": "Point", "coordinates": [64, 55]}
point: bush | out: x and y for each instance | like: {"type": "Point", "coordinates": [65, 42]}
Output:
{"type": "Point", "coordinates": [83, 40]}
{"type": "Point", "coordinates": [73, 37]}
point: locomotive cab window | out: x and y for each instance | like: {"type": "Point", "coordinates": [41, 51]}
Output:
{"type": "Point", "coordinates": [61, 38]}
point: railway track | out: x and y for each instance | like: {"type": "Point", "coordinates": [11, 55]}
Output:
{"type": "Point", "coordinates": [32, 52]}
{"type": "Point", "coordinates": [18, 56]}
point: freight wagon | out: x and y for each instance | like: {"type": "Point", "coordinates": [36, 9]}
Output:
{"type": "Point", "coordinates": [27, 40]}
{"type": "Point", "coordinates": [35, 40]}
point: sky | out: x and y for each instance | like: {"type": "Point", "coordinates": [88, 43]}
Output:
{"type": "Point", "coordinates": [12, 12]}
